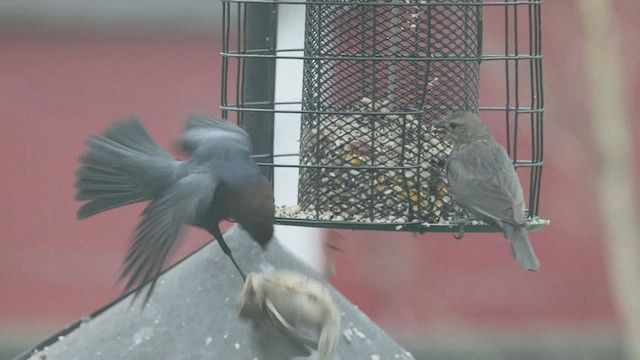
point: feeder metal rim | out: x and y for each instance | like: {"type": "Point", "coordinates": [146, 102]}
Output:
{"type": "Point", "coordinates": [244, 54]}
{"type": "Point", "coordinates": [518, 110]}
{"type": "Point", "coordinates": [416, 226]}
{"type": "Point", "coordinates": [242, 108]}
{"type": "Point", "coordinates": [324, 112]}
{"type": "Point", "coordinates": [527, 163]}
{"type": "Point", "coordinates": [517, 164]}
{"type": "Point", "coordinates": [390, 3]}
{"type": "Point", "coordinates": [342, 167]}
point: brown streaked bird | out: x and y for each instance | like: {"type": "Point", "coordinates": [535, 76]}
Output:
{"type": "Point", "coordinates": [289, 301]}
{"type": "Point", "coordinates": [484, 182]}
{"type": "Point", "coordinates": [219, 180]}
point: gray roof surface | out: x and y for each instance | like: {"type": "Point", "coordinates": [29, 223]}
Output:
{"type": "Point", "coordinates": [192, 315]}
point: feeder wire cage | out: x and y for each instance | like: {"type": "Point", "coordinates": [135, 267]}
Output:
{"type": "Point", "coordinates": [376, 75]}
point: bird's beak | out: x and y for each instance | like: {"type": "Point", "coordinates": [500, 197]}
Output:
{"type": "Point", "coordinates": [439, 127]}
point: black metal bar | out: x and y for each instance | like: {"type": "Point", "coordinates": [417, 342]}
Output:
{"type": "Point", "coordinates": [224, 76]}
{"type": "Point", "coordinates": [516, 85]}
{"type": "Point", "coordinates": [413, 226]}
{"type": "Point", "coordinates": [507, 78]}
{"type": "Point", "coordinates": [269, 105]}
{"type": "Point", "coordinates": [258, 80]}
{"type": "Point", "coordinates": [241, 61]}
{"type": "Point", "coordinates": [248, 54]}
{"type": "Point", "coordinates": [520, 163]}
{"type": "Point", "coordinates": [534, 174]}
{"type": "Point", "coordinates": [540, 105]}
{"type": "Point", "coordinates": [388, 3]}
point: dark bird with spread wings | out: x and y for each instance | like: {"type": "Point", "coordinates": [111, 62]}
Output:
{"type": "Point", "coordinates": [484, 182]}
{"type": "Point", "coordinates": [220, 180]}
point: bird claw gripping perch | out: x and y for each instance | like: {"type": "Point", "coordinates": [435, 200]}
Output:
{"type": "Point", "coordinates": [460, 223]}
{"type": "Point", "coordinates": [460, 234]}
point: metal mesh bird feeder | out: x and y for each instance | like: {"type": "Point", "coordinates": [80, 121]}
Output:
{"type": "Point", "coordinates": [376, 75]}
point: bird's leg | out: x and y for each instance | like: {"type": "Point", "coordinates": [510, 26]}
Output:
{"type": "Point", "coordinates": [225, 249]}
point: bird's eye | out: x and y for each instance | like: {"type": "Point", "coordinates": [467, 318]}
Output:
{"type": "Point", "coordinates": [453, 125]}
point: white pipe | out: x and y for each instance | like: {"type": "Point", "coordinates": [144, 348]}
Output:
{"type": "Point", "coordinates": [304, 242]}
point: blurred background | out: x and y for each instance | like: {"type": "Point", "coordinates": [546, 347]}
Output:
{"type": "Point", "coordinates": [69, 68]}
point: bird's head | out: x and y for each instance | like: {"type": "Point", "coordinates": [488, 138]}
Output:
{"type": "Point", "coordinates": [462, 127]}
{"type": "Point", "coordinates": [253, 207]}
{"type": "Point", "coordinates": [261, 231]}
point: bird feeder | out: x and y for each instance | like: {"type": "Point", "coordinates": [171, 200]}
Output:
{"type": "Point", "coordinates": [374, 77]}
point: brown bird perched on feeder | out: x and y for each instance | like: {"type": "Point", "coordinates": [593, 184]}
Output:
{"type": "Point", "coordinates": [484, 182]}
{"type": "Point", "coordinates": [219, 180]}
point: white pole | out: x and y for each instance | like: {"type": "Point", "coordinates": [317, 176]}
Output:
{"type": "Point", "coordinates": [304, 242]}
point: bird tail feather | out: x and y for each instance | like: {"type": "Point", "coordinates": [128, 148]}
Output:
{"type": "Point", "coordinates": [110, 173]}
{"type": "Point", "coordinates": [329, 336]}
{"type": "Point", "coordinates": [521, 248]}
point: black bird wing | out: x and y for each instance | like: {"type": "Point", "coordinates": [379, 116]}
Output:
{"type": "Point", "coordinates": [163, 225]}
{"type": "Point", "coordinates": [484, 181]}
{"type": "Point", "coordinates": [203, 130]}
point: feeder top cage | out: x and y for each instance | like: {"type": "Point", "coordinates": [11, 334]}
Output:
{"type": "Point", "coordinates": [374, 77]}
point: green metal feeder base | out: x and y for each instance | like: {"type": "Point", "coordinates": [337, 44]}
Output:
{"type": "Point", "coordinates": [534, 224]}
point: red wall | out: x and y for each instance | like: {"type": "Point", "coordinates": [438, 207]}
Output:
{"type": "Point", "coordinates": [55, 93]}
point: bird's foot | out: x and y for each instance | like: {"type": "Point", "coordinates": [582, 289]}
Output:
{"type": "Point", "coordinates": [460, 234]}
{"type": "Point", "coordinates": [461, 222]}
